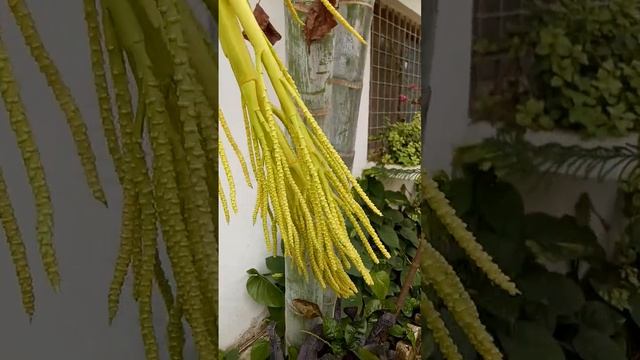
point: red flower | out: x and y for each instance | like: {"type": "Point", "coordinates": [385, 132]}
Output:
{"type": "Point", "coordinates": [413, 86]}
{"type": "Point", "coordinates": [403, 98]}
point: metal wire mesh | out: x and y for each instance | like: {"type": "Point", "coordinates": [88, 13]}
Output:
{"type": "Point", "coordinates": [491, 19]}
{"type": "Point", "coordinates": [395, 71]}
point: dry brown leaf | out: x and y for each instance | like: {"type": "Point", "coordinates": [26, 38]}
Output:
{"type": "Point", "coordinates": [265, 24]}
{"type": "Point", "coordinates": [319, 22]}
{"type": "Point", "coordinates": [307, 309]}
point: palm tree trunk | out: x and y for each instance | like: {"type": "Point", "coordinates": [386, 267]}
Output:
{"type": "Point", "coordinates": [329, 75]}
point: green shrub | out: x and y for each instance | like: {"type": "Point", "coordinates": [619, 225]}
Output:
{"type": "Point", "coordinates": [573, 67]}
{"type": "Point", "coordinates": [345, 337]}
{"type": "Point", "coordinates": [402, 143]}
{"type": "Point", "coordinates": [588, 312]}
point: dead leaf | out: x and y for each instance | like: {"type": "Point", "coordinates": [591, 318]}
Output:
{"type": "Point", "coordinates": [319, 22]}
{"type": "Point", "coordinates": [265, 24]}
{"type": "Point", "coordinates": [306, 309]}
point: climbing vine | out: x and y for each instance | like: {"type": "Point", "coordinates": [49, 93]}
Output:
{"type": "Point", "coordinates": [571, 66]}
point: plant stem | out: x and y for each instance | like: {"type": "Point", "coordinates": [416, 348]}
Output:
{"type": "Point", "coordinates": [411, 275]}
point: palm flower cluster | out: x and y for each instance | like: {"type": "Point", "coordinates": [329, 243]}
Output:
{"type": "Point", "coordinates": [305, 192]}
{"type": "Point", "coordinates": [441, 277]}
{"type": "Point", "coordinates": [163, 146]}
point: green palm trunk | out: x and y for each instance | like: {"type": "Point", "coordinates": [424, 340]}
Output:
{"type": "Point", "coordinates": [329, 75]}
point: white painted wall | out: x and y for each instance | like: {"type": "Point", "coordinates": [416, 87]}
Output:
{"type": "Point", "coordinates": [241, 243]}
{"type": "Point", "coordinates": [450, 77]}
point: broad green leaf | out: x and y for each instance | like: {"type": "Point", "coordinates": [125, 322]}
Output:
{"type": "Point", "coordinates": [389, 304]}
{"type": "Point", "coordinates": [394, 289]}
{"type": "Point", "coordinates": [541, 314]}
{"type": "Point", "coordinates": [501, 206]}
{"type": "Point", "coordinates": [460, 194]}
{"type": "Point", "coordinates": [563, 46]}
{"type": "Point", "coordinates": [371, 306]}
{"type": "Point", "coordinates": [388, 235]}
{"type": "Point", "coordinates": [364, 354]}
{"type": "Point", "coordinates": [498, 303]}
{"type": "Point", "coordinates": [264, 291]}
{"type": "Point", "coordinates": [507, 251]}
{"type": "Point", "coordinates": [612, 288]}
{"type": "Point", "coordinates": [409, 233]}
{"type": "Point", "coordinates": [260, 350]}
{"type": "Point", "coordinates": [392, 216]}
{"type": "Point", "coordinates": [601, 317]}
{"type": "Point", "coordinates": [545, 122]}
{"type": "Point", "coordinates": [276, 314]}
{"type": "Point", "coordinates": [380, 286]}
{"type": "Point", "coordinates": [292, 352]}
{"type": "Point", "coordinates": [428, 344]}
{"type": "Point", "coordinates": [354, 301]}
{"type": "Point", "coordinates": [557, 81]}
{"type": "Point", "coordinates": [375, 218]}
{"type": "Point", "coordinates": [593, 345]}
{"type": "Point", "coordinates": [410, 305]}
{"type": "Point", "coordinates": [375, 189]}
{"type": "Point", "coordinates": [553, 239]}
{"type": "Point", "coordinates": [275, 264]}
{"type": "Point", "coordinates": [634, 308]}
{"type": "Point", "coordinates": [397, 263]}
{"type": "Point", "coordinates": [232, 354]}
{"type": "Point", "coordinates": [397, 331]}
{"type": "Point", "coordinates": [396, 197]}
{"type": "Point", "coordinates": [530, 341]}
{"type": "Point", "coordinates": [562, 295]}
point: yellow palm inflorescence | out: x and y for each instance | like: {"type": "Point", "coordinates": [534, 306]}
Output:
{"type": "Point", "coordinates": [305, 192]}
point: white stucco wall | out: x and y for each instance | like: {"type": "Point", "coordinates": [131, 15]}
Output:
{"type": "Point", "coordinates": [241, 243]}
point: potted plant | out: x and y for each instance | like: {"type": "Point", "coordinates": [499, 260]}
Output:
{"type": "Point", "coordinates": [400, 156]}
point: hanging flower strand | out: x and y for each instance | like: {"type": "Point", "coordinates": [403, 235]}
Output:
{"type": "Point", "coordinates": [303, 186]}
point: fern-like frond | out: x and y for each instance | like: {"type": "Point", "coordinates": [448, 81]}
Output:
{"type": "Point", "coordinates": [509, 155]}
{"type": "Point", "coordinates": [381, 172]}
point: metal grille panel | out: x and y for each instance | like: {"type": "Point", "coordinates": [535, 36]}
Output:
{"type": "Point", "coordinates": [395, 71]}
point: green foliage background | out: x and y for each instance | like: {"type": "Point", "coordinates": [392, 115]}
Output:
{"type": "Point", "coordinates": [402, 143]}
{"type": "Point", "coordinates": [588, 312]}
{"type": "Point", "coordinates": [573, 66]}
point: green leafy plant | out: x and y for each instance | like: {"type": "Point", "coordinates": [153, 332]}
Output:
{"type": "Point", "coordinates": [403, 173]}
{"type": "Point", "coordinates": [587, 312]}
{"type": "Point", "coordinates": [510, 154]}
{"type": "Point", "coordinates": [402, 142]}
{"type": "Point", "coordinates": [572, 66]}
{"type": "Point", "coordinates": [346, 336]}
{"type": "Point", "coordinates": [232, 354]}
{"type": "Point", "coordinates": [382, 318]}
